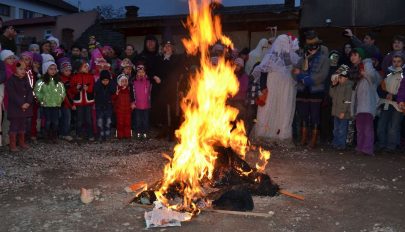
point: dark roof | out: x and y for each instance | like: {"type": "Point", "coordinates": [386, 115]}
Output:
{"type": "Point", "coordinates": [59, 4]}
{"type": "Point", "coordinates": [33, 21]}
{"type": "Point", "coordinates": [352, 13]}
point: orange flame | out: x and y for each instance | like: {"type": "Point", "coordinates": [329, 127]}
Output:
{"type": "Point", "coordinates": [207, 117]}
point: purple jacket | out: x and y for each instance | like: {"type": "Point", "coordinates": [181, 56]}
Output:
{"type": "Point", "coordinates": [401, 91]}
{"type": "Point", "coordinates": [142, 92]}
{"type": "Point", "coordinates": [243, 79]}
{"type": "Point", "coordinates": [19, 91]}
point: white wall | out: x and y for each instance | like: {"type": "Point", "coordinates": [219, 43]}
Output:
{"type": "Point", "coordinates": [32, 6]}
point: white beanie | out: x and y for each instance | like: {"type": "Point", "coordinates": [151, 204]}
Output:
{"type": "Point", "coordinates": [54, 39]}
{"type": "Point", "coordinates": [6, 54]}
{"type": "Point", "coordinates": [47, 57]}
{"type": "Point", "coordinates": [120, 77]}
{"type": "Point", "coordinates": [46, 65]}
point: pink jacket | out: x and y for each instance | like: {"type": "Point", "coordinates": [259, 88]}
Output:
{"type": "Point", "coordinates": [142, 92]}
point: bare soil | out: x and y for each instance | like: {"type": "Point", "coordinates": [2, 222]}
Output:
{"type": "Point", "coordinates": [39, 190]}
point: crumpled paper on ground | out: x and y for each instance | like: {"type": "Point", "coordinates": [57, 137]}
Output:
{"type": "Point", "coordinates": [161, 216]}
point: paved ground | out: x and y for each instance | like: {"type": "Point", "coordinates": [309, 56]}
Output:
{"type": "Point", "coordinates": [39, 190]}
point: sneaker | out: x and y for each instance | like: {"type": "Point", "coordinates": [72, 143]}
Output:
{"type": "Point", "coordinates": [138, 136]}
{"type": "Point", "coordinates": [144, 136]}
{"type": "Point", "coordinates": [67, 138]}
{"type": "Point", "coordinates": [91, 139]}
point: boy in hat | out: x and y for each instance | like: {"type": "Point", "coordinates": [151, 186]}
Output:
{"type": "Point", "coordinates": [65, 68]}
{"type": "Point", "coordinates": [341, 93]}
{"type": "Point", "coordinates": [123, 101]}
{"type": "Point", "coordinates": [311, 87]}
{"type": "Point", "coordinates": [104, 90]}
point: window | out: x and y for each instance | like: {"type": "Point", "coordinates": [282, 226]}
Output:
{"type": "Point", "coordinates": [27, 14]}
{"type": "Point", "coordinates": [4, 10]}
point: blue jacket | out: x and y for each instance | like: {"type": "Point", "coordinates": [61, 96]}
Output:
{"type": "Point", "coordinates": [313, 79]}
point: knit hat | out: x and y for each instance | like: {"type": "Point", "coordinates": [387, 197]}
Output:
{"type": "Point", "coordinates": [46, 65]}
{"type": "Point", "coordinates": [53, 39]}
{"type": "Point", "coordinates": [239, 62]}
{"type": "Point", "coordinates": [361, 52]}
{"type": "Point", "coordinates": [126, 63]}
{"type": "Point", "coordinates": [121, 77]}
{"type": "Point", "coordinates": [64, 64]}
{"type": "Point", "coordinates": [6, 54]}
{"type": "Point", "coordinates": [105, 75]}
{"type": "Point", "coordinates": [28, 54]}
{"type": "Point", "coordinates": [37, 58]}
{"type": "Point", "coordinates": [47, 57]}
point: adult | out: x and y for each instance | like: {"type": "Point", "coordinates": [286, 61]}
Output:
{"type": "Point", "coordinates": [170, 69]}
{"type": "Point", "coordinates": [150, 58]}
{"type": "Point", "coordinates": [7, 39]}
{"type": "Point", "coordinates": [368, 43]}
{"type": "Point", "coordinates": [311, 87]}
{"type": "Point", "coordinates": [257, 54]}
{"type": "Point", "coordinates": [129, 53]}
{"type": "Point", "coordinates": [397, 49]}
{"type": "Point", "coordinates": [274, 119]}
{"type": "Point", "coordinates": [345, 57]}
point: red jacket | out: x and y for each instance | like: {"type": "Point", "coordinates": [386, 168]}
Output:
{"type": "Point", "coordinates": [80, 96]}
{"type": "Point", "coordinates": [123, 100]}
{"type": "Point", "coordinates": [68, 101]}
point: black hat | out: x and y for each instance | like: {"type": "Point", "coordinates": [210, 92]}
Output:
{"type": "Point", "coordinates": [105, 74]}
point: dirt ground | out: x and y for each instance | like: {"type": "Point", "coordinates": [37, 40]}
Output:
{"type": "Point", "coordinates": [39, 190]}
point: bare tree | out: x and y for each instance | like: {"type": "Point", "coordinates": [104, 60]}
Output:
{"type": "Point", "coordinates": [109, 12]}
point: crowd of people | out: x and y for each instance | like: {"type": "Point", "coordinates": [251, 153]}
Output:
{"type": "Point", "coordinates": [288, 93]}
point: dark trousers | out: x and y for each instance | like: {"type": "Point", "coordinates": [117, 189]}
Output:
{"type": "Point", "coordinates": [142, 121]}
{"type": "Point", "coordinates": [251, 113]}
{"type": "Point", "coordinates": [65, 119]}
{"type": "Point", "coordinates": [17, 125]}
{"type": "Point", "coordinates": [389, 128]}
{"type": "Point", "coordinates": [84, 121]}
{"type": "Point", "coordinates": [51, 118]}
{"type": "Point", "coordinates": [340, 132]}
{"type": "Point", "coordinates": [309, 112]}
{"type": "Point", "coordinates": [104, 121]}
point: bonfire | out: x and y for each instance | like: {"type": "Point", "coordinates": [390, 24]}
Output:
{"type": "Point", "coordinates": [208, 165]}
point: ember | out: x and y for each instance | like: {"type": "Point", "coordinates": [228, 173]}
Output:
{"type": "Point", "coordinates": [212, 143]}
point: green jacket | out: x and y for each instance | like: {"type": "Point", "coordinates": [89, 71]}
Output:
{"type": "Point", "coordinates": [51, 94]}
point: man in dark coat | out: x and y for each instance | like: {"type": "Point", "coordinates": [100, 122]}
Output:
{"type": "Point", "coordinates": [7, 39]}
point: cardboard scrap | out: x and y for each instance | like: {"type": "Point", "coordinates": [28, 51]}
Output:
{"type": "Point", "coordinates": [161, 216]}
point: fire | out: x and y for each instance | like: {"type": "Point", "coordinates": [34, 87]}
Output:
{"type": "Point", "coordinates": [208, 120]}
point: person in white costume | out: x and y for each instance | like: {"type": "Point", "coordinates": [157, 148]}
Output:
{"type": "Point", "coordinates": [257, 54]}
{"type": "Point", "coordinates": [274, 119]}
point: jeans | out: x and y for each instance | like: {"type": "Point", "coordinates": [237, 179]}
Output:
{"type": "Point", "coordinates": [389, 128]}
{"type": "Point", "coordinates": [51, 118]}
{"type": "Point", "coordinates": [340, 132]}
{"type": "Point", "coordinates": [142, 121]}
{"type": "Point", "coordinates": [84, 121]}
{"type": "Point", "coordinates": [65, 119]}
{"type": "Point", "coordinates": [104, 122]}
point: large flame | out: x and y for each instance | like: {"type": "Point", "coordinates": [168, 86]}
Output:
{"type": "Point", "coordinates": [208, 120]}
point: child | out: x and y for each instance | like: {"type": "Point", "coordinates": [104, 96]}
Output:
{"type": "Point", "coordinates": [364, 101]}
{"type": "Point", "coordinates": [104, 90]}
{"type": "Point", "coordinates": [341, 93]}
{"type": "Point", "coordinates": [389, 123]}
{"type": "Point", "coordinates": [66, 110]}
{"type": "Point", "coordinates": [123, 104]}
{"type": "Point", "coordinates": [50, 92]}
{"type": "Point", "coordinates": [8, 58]}
{"type": "Point", "coordinates": [81, 88]}
{"type": "Point", "coordinates": [19, 105]}
{"type": "Point", "coordinates": [142, 94]}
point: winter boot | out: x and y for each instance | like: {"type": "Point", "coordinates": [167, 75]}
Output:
{"type": "Point", "coordinates": [304, 135]}
{"type": "Point", "coordinates": [21, 141]}
{"type": "Point", "coordinates": [13, 143]}
{"type": "Point", "coordinates": [314, 137]}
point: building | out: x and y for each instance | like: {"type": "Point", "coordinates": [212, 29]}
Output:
{"type": "Point", "coordinates": [385, 18]}
{"type": "Point", "coordinates": [67, 28]}
{"type": "Point", "coordinates": [26, 9]}
{"type": "Point", "coordinates": [245, 25]}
